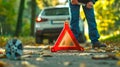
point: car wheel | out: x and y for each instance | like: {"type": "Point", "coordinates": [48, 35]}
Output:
{"type": "Point", "coordinates": [39, 40]}
{"type": "Point", "coordinates": [50, 41]}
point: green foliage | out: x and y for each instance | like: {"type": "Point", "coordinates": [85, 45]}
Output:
{"type": "Point", "coordinates": [27, 40]}
{"type": "Point", "coordinates": [3, 41]}
{"type": "Point", "coordinates": [46, 3]}
{"type": "Point", "coordinates": [114, 38]}
{"type": "Point", "coordinates": [107, 14]}
{"type": "Point", "coordinates": [7, 16]}
{"type": "Point", "coordinates": [25, 28]}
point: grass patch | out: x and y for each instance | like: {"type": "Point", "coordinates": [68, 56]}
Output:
{"type": "Point", "coordinates": [25, 40]}
{"type": "Point", "coordinates": [114, 40]}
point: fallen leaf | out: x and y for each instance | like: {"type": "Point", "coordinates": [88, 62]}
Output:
{"type": "Point", "coordinates": [26, 56]}
{"type": "Point", "coordinates": [92, 50]}
{"type": "Point", "coordinates": [46, 55]}
{"type": "Point", "coordinates": [100, 57]}
{"type": "Point", "coordinates": [82, 65]}
{"type": "Point", "coordinates": [109, 49]}
{"type": "Point", "coordinates": [113, 57]}
{"type": "Point", "coordinates": [118, 55]}
{"type": "Point", "coordinates": [47, 48]}
{"type": "Point", "coordinates": [2, 56]}
{"type": "Point", "coordinates": [2, 64]}
{"type": "Point", "coordinates": [27, 64]}
{"type": "Point", "coordinates": [67, 63]}
{"type": "Point", "coordinates": [39, 59]}
{"type": "Point", "coordinates": [2, 51]}
{"type": "Point", "coordinates": [85, 54]}
{"type": "Point", "coordinates": [118, 63]}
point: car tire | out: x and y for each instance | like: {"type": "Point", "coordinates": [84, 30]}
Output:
{"type": "Point", "coordinates": [50, 41]}
{"type": "Point", "coordinates": [39, 40]}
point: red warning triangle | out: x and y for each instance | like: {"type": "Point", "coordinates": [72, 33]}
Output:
{"type": "Point", "coordinates": [66, 40]}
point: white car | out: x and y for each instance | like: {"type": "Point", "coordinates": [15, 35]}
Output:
{"type": "Point", "coordinates": [49, 24]}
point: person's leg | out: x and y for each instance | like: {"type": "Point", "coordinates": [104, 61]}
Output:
{"type": "Point", "coordinates": [93, 32]}
{"type": "Point", "coordinates": [74, 19]}
{"type": "Point", "coordinates": [92, 26]}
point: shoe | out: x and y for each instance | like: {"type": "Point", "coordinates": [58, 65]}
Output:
{"type": "Point", "coordinates": [98, 45]}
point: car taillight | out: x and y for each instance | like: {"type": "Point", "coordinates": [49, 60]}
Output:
{"type": "Point", "coordinates": [38, 19]}
{"type": "Point", "coordinates": [38, 31]}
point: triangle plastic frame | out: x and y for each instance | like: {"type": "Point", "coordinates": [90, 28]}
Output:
{"type": "Point", "coordinates": [65, 29]}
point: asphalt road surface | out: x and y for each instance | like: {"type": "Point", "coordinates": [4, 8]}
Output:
{"type": "Point", "coordinates": [36, 57]}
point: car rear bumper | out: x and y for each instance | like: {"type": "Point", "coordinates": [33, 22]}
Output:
{"type": "Point", "coordinates": [49, 32]}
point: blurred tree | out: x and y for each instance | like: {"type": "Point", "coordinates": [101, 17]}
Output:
{"type": "Point", "coordinates": [33, 15]}
{"type": "Point", "coordinates": [46, 3]}
{"type": "Point", "coordinates": [19, 20]}
{"type": "Point", "coordinates": [107, 14]}
{"type": "Point", "coordinates": [41, 4]}
{"type": "Point", "coordinates": [116, 7]}
{"type": "Point", "coordinates": [7, 16]}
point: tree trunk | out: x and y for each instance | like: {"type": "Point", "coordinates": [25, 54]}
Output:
{"type": "Point", "coordinates": [19, 20]}
{"type": "Point", "coordinates": [33, 14]}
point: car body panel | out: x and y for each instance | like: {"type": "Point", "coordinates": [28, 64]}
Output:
{"type": "Point", "coordinates": [53, 23]}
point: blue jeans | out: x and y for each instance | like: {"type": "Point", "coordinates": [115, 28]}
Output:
{"type": "Point", "coordinates": [74, 22]}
